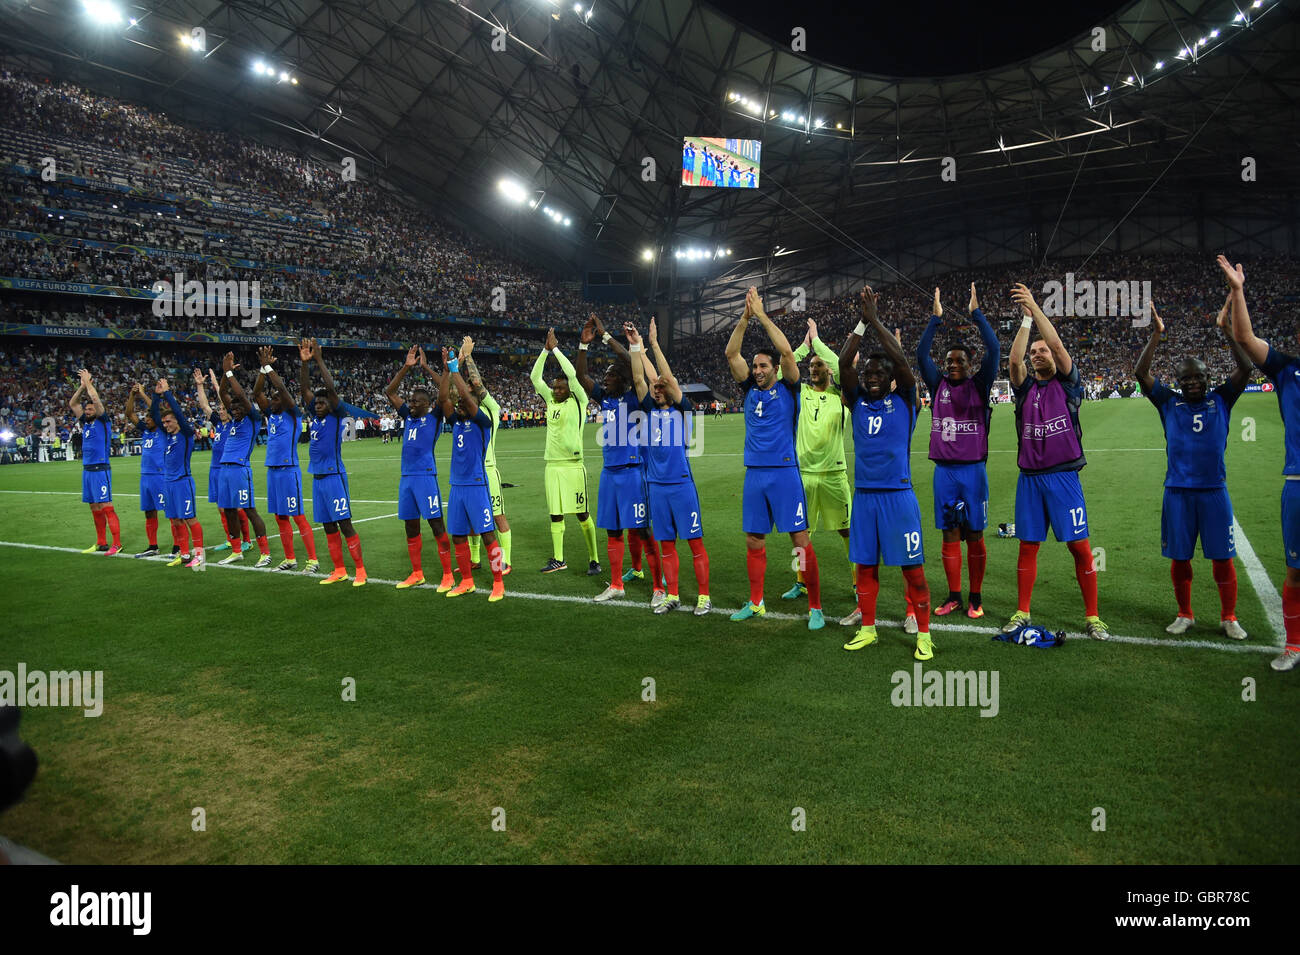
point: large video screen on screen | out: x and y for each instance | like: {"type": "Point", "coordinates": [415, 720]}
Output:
{"type": "Point", "coordinates": [728, 163]}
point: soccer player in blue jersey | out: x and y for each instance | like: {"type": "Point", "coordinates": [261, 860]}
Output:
{"type": "Point", "coordinates": [220, 421]}
{"type": "Point", "coordinates": [180, 501]}
{"type": "Point", "coordinates": [469, 506]}
{"type": "Point", "coordinates": [1196, 502]}
{"type": "Point", "coordinates": [1284, 371]}
{"type": "Point", "coordinates": [96, 473]}
{"type": "Point", "coordinates": [773, 492]}
{"type": "Point", "coordinates": [886, 519]}
{"type": "Point", "coordinates": [283, 474]}
{"type": "Point", "coordinates": [674, 501]}
{"type": "Point", "coordinates": [152, 497]}
{"type": "Point", "coordinates": [329, 487]}
{"type": "Point", "coordinates": [959, 447]}
{"type": "Point", "coordinates": [418, 495]}
{"type": "Point", "coordinates": [621, 498]}
{"type": "Point", "coordinates": [235, 491]}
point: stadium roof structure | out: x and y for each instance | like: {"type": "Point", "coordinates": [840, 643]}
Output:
{"type": "Point", "coordinates": [861, 175]}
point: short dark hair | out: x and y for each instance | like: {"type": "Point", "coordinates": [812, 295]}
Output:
{"type": "Point", "coordinates": [880, 357]}
{"type": "Point", "coordinates": [958, 346]}
{"type": "Point", "coordinates": [772, 354]}
{"type": "Point", "coordinates": [423, 391]}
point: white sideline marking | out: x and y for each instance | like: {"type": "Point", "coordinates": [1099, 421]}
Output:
{"type": "Point", "coordinates": [1259, 579]}
{"type": "Point", "coordinates": [644, 607]}
{"type": "Point", "coordinates": [379, 518]}
{"type": "Point", "coordinates": [355, 500]}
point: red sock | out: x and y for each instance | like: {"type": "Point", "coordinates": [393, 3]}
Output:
{"type": "Point", "coordinates": [414, 547]}
{"type": "Point", "coordinates": [463, 562]}
{"type": "Point", "coordinates": [651, 549]}
{"type": "Point", "coordinates": [907, 598]}
{"type": "Point", "coordinates": [114, 526]}
{"type": "Point", "coordinates": [1180, 571]}
{"type": "Point", "coordinates": [101, 522]}
{"type": "Point", "coordinates": [496, 560]}
{"type": "Point", "coordinates": [812, 578]}
{"type": "Point", "coordinates": [286, 535]}
{"type": "Point", "coordinates": [951, 551]}
{"type": "Point", "coordinates": [868, 590]}
{"type": "Point", "coordinates": [1026, 573]}
{"type": "Point", "coordinates": [700, 557]}
{"type": "Point", "coordinates": [181, 537]}
{"type": "Point", "coordinates": [614, 548]}
{"type": "Point", "coordinates": [335, 542]}
{"type": "Point", "coordinates": [919, 592]}
{"type": "Point", "coordinates": [444, 554]}
{"type": "Point", "coordinates": [1291, 615]}
{"type": "Point", "coordinates": [636, 551]}
{"type": "Point", "coordinates": [243, 527]}
{"type": "Point", "coordinates": [976, 559]}
{"type": "Point", "coordinates": [1086, 574]}
{"type": "Point", "coordinates": [196, 534]}
{"type": "Point", "coordinates": [308, 538]}
{"type": "Point", "coordinates": [263, 546]}
{"type": "Point", "coordinates": [151, 530]}
{"type": "Point", "coordinates": [1225, 577]}
{"type": "Point", "coordinates": [354, 548]}
{"type": "Point", "coordinates": [225, 526]}
{"type": "Point", "coordinates": [671, 565]}
{"type": "Point", "coordinates": [756, 567]}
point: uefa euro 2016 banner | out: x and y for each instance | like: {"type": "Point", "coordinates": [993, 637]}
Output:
{"type": "Point", "coordinates": [222, 338]}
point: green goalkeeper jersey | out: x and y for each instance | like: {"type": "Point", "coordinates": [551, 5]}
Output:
{"type": "Point", "coordinates": [819, 440]}
{"type": "Point", "coordinates": [564, 419]}
{"type": "Point", "coordinates": [489, 404]}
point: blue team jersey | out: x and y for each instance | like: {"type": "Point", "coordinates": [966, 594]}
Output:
{"type": "Point", "coordinates": [179, 446]}
{"type": "Point", "coordinates": [669, 437]}
{"type": "Point", "coordinates": [620, 437]}
{"type": "Point", "coordinates": [1196, 435]}
{"type": "Point", "coordinates": [152, 451]}
{"type": "Point", "coordinates": [96, 439]}
{"type": "Point", "coordinates": [282, 430]}
{"type": "Point", "coordinates": [1284, 371]}
{"type": "Point", "coordinates": [771, 417]}
{"type": "Point", "coordinates": [238, 443]}
{"type": "Point", "coordinates": [469, 442]}
{"type": "Point", "coordinates": [418, 441]}
{"type": "Point", "coordinates": [219, 429]}
{"type": "Point", "coordinates": [326, 455]}
{"type": "Point", "coordinates": [882, 440]}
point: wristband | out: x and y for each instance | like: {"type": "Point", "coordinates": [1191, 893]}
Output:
{"type": "Point", "coordinates": [606, 338]}
{"type": "Point", "coordinates": [632, 348]}
{"type": "Point", "coordinates": [266, 369]}
{"type": "Point", "coordinates": [1026, 321]}
{"type": "Point", "coordinates": [861, 329]}
{"type": "Point", "coordinates": [582, 346]}
{"type": "Point", "coordinates": [230, 374]}
{"type": "Point", "coordinates": [453, 366]}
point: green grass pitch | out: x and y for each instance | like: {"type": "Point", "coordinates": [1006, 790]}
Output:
{"type": "Point", "coordinates": [224, 691]}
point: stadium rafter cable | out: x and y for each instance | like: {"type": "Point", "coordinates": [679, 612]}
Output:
{"type": "Point", "coordinates": [1047, 247]}
{"type": "Point", "coordinates": [1250, 68]}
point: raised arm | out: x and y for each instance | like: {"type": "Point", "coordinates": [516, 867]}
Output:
{"type": "Point", "coordinates": [132, 418]}
{"type": "Point", "coordinates": [849, 353]}
{"type": "Point", "coordinates": [1024, 297]}
{"type": "Point", "coordinates": [889, 342]}
{"type": "Point", "coordinates": [1240, 376]}
{"type": "Point", "coordinates": [233, 387]}
{"type": "Point", "coordinates": [470, 369]}
{"type": "Point", "coordinates": [635, 355]}
{"type": "Point", "coordinates": [266, 356]}
{"type": "Point", "coordinates": [219, 391]}
{"type": "Point", "coordinates": [789, 367]}
{"type": "Point", "coordinates": [452, 363]}
{"type": "Point", "coordinates": [392, 391]}
{"type": "Point", "coordinates": [202, 394]}
{"type": "Point", "coordinates": [1019, 346]}
{"type": "Point", "coordinates": [164, 390]}
{"type": "Point", "coordinates": [445, 402]}
{"type": "Point", "coordinates": [539, 366]}
{"type": "Point", "coordinates": [327, 380]}
{"type": "Point", "coordinates": [672, 388]}
{"type": "Point", "coordinates": [929, 370]}
{"type": "Point", "coordinates": [1142, 372]}
{"type": "Point", "coordinates": [74, 403]}
{"type": "Point", "coordinates": [304, 372]}
{"type": "Point", "coordinates": [1256, 348]}
{"type": "Point", "coordinates": [587, 336]}
{"type": "Point", "coordinates": [988, 370]}
{"type": "Point", "coordinates": [736, 361]}
{"type": "Point", "coordinates": [95, 404]}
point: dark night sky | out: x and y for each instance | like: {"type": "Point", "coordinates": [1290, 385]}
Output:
{"type": "Point", "coordinates": [922, 39]}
